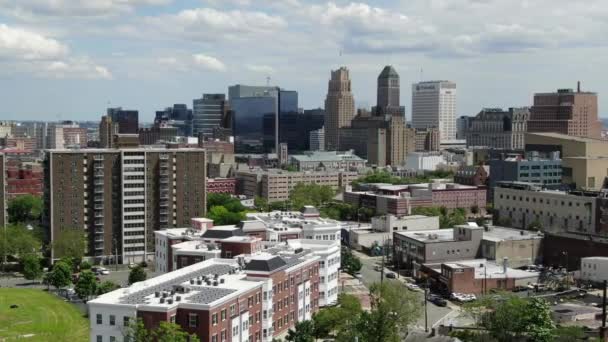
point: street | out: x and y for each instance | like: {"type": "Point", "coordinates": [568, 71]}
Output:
{"type": "Point", "coordinates": [436, 314]}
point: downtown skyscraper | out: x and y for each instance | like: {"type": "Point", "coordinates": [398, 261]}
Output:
{"type": "Point", "coordinates": [434, 105]}
{"type": "Point", "coordinates": [388, 93]}
{"type": "Point", "coordinates": [339, 107]}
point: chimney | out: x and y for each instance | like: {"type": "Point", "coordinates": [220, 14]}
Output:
{"type": "Point", "coordinates": [578, 86]}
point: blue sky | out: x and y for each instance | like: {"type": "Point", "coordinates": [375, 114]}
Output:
{"type": "Point", "coordinates": [69, 59]}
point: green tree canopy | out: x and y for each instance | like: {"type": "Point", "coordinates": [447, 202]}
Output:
{"type": "Point", "coordinates": [18, 241]}
{"type": "Point", "coordinates": [86, 285]}
{"type": "Point", "coordinates": [70, 243]}
{"type": "Point", "coordinates": [137, 274]}
{"type": "Point", "coordinates": [61, 275]}
{"type": "Point", "coordinates": [165, 332]}
{"type": "Point", "coordinates": [106, 286]}
{"type": "Point", "coordinates": [25, 209]}
{"type": "Point", "coordinates": [393, 311]}
{"type": "Point", "coordinates": [310, 194]}
{"type": "Point", "coordinates": [302, 332]}
{"type": "Point", "coordinates": [511, 318]}
{"type": "Point", "coordinates": [349, 262]}
{"type": "Point", "coordinates": [32, 269]}
{"type": "Point", "coordinates": [222, 216]}
{"type": "Point", "coordinates": [338, 321]}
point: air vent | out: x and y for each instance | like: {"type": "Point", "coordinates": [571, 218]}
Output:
{"type": "Point", "coordinates": [156, 294]}
{"type": "Point", "coordinates": [221, 280]}
{"type": "Point", "coordinates": [178, 298]}
{"type": "Point", "coordinates": [170, 301]}
{"type": "Point", "coordinates": [162, 300]}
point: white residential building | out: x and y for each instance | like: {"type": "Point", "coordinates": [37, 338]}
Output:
{"type": "Point", "coordinates": [434, 105]}
{"type": "Point", "coordinates": [423, 161]}
{"type": "Point", "coordinates": [594, 269]}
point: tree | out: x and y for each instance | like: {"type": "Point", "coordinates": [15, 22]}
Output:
{"type": "Point", "coordinates": [61, 275]}
{"type": "Point", "coordinates": [222, 216]}
{"type": "Point", "coordinates": [106, 286]}
{"type": "Point", "coordinates": [475, 209]}
{"type": "Point", "coordinates": [85, 265]}
{"type": "Point", "coordinates": [310, 194]}
{"type": "Point", "coordinates": [24, 209]}
{"type": "Point", "coordinates": [86, 285]}
{"type": "Point", "coordinates": [513, 318]}
{"type": "Point", "coordinates": [261, 203]}
{"type": "Point", "coordinates": [535, 225]}
{"type": "Point", "coordinates": [70, 243]}
{"type": "Point", "coordinates": [302, 332]}
{"type": "Point", "coordinates": [31, 267]}
{"type": "Point", "coordinates": [171, 332]}
{"type": "Point", "coordinates": [393, 311]}
{"type": "Point", "coordinates": [18, 241]}
{"type": "Point", "coordinates": [136, 332]}
{"type": "Point", "coordinates": [337, 319]}
{"type": "Point", "coordinates": [137, 274]}
{"type": "Point", "coordinates": [349, 262]}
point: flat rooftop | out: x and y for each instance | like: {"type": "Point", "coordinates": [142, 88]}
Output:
{"type": "Point", "coordinates": [430, 236]}
{"type": "Point", "coordinates": [568, 137]}
{"type": "Point", "coordinates": [497, 234]}
{"type": "Point", "coordinates": [486, 269]}
{"type": "Point", "coordinates": [207, 283]}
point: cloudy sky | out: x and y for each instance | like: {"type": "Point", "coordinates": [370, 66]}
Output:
{"type": "Point", "coordinates": [69, 59]}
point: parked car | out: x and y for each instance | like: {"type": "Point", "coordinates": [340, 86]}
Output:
{"type": "Point", "coordinates": [438, 301]}
{"type": "Point", "coordinates": [412, 287]}
{"type": "Point", "coordinates": [377, 268]}
{"type": "Point", "coordinates": [391, 275]}
{"type": "Point", "coordinates": [103, 271]}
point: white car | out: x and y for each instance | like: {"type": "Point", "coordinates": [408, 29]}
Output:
{"type": "Point", "coordinates": [103, 271]}
{"type": "Point", "coordinates": [412, 287]}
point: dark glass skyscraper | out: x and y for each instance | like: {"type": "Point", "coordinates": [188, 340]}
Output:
{"type": "Point", "coordinates": [388, 93]}
{"type": "Point", "coordinates": [178, 116]}
{"type": "Point", "coordinates": [127, 120]}
{"type": "Point", "coordinates": [208, 113]}
{"type": "Point", "coordinates": [254, 117]}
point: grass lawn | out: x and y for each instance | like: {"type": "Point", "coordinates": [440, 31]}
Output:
{"type": "Point", "coordinates": [40, 316]}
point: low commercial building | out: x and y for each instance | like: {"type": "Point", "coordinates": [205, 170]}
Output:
{"type": "Point", "coordinates": [473, 175]}
{"type": "Point", "coordinates": [523, 205]}
{"type": "Point", "coordinates": [529, 168]}
{"type": "Point", "coordinates": [330, 160]}
{"type": "Point", "coordinates": [424, 161]}
{"type": "Point", "coordinates": [516, 247]}
{"type": "Point", "coordinates": [584, 160]}
{"type": "Point", "coordinates": [275, 185]}
{"type": "Point", "coordinates": [476, 276]}
{"type": "Point", "coordinates": [252, 299]}
{"type": "Point", "coordinates": [399, 199]}
{"type": "Point", "coordinates": [594, 269]}
{"type": "Point", "coordinates": [382, 229]}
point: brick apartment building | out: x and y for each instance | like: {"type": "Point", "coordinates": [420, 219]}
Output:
{"type": "Point", "coordinates": [221, 185]}
{"type": "Point", "coordinates": [3, 207]}
{"type": "Point", "coordinates": [23, 178]}
{"type": "Point", "coordinates": [275, 185]}
{"type": "Point", "coordinates": [574, 113]}
{"type": "Point", "coordinates": [118, 198]}
{"type": "Point", "coordinates": [252, 299]}
{"type": "Point", "coordinates": [399, 199]}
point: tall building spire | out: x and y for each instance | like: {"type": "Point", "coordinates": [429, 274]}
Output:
{"type": "Point", "coordinates": [339, 107]}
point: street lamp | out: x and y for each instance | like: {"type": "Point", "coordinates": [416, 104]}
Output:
{"type": "Point", "coordinates": [359, 216]}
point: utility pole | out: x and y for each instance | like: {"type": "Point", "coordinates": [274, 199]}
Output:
{"type": "Point", "coordinates": [603, 328]}
{"type": "Point", "coordinates": [382, 268]}
{"type": "Point", "coordinates": [426, 311]}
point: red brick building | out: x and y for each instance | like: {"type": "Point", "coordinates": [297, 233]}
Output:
{"type": "Point", "coordinates": [218, 300]}
{"type": "Point", "coordinates": [23, 178]}
{"type": "Point", "coordinates": [221, 185]}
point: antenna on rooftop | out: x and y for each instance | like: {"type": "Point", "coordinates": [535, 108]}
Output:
{"type": "Point", "coordinates": [421, 74]}
{"type": "Point", "coordinates": [268, 81]}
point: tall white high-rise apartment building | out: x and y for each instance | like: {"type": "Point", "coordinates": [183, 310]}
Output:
{"type": "Point", "coordinates": [434, 105]}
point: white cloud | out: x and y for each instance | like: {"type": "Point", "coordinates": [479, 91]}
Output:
{"type": "Point", "coordinates": [208, 62]}
{"type": "Point", "coordinates": [73, 8]}
{"type": "Point", "coordinates": [208, 24]}
{"type": "Point", "coordinates": [186, 63]}
{"type": "Point", "coordinates": [30, 52]}
{"type": "Point", "coordinates": [81, 68]}
{"type": "Point", "coordinates": [23, 44]}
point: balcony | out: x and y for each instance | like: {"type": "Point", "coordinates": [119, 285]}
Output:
{"type": "Point", "coordinates": [99, 214]}
{"type": "Point", "coordinates": [164, 194]}
{"type": "Point", "coordinates": [98, 230]}
{"type": "Point", "coordinates": [164, 173]}
{"type": "Point", "coordinates": [98, 182]}
{"type": "Point", "coordinates": [163, 157]}
{"type": "Point", "coordinates": [97, 158]}
{"type": "Point", "coordinates": [98, 173]}
{"type": "Point", "coordinates": [164, 212]}
{"type": "Point", "coordinates": [99, 246]}
{"type": "Point", "coordinates": [98, 206]}
{"type": "Point", "coordinates": [98, 189]}
{"type": "Point", "coordinates": [164, 188]}
{"type": "Point", "coordinates": [98, 166]}
{"type": "Point", "coordinates": [99, 238]}
{"type": "Point", "coordinates": [164, 219]}
{"type": "Point", "coordinates": [98, 199]}
{"type": "Point", "coordinates": [164, 203]}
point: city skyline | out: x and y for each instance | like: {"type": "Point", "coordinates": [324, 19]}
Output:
{"type": "Point", "coordinates": [77, 59]}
